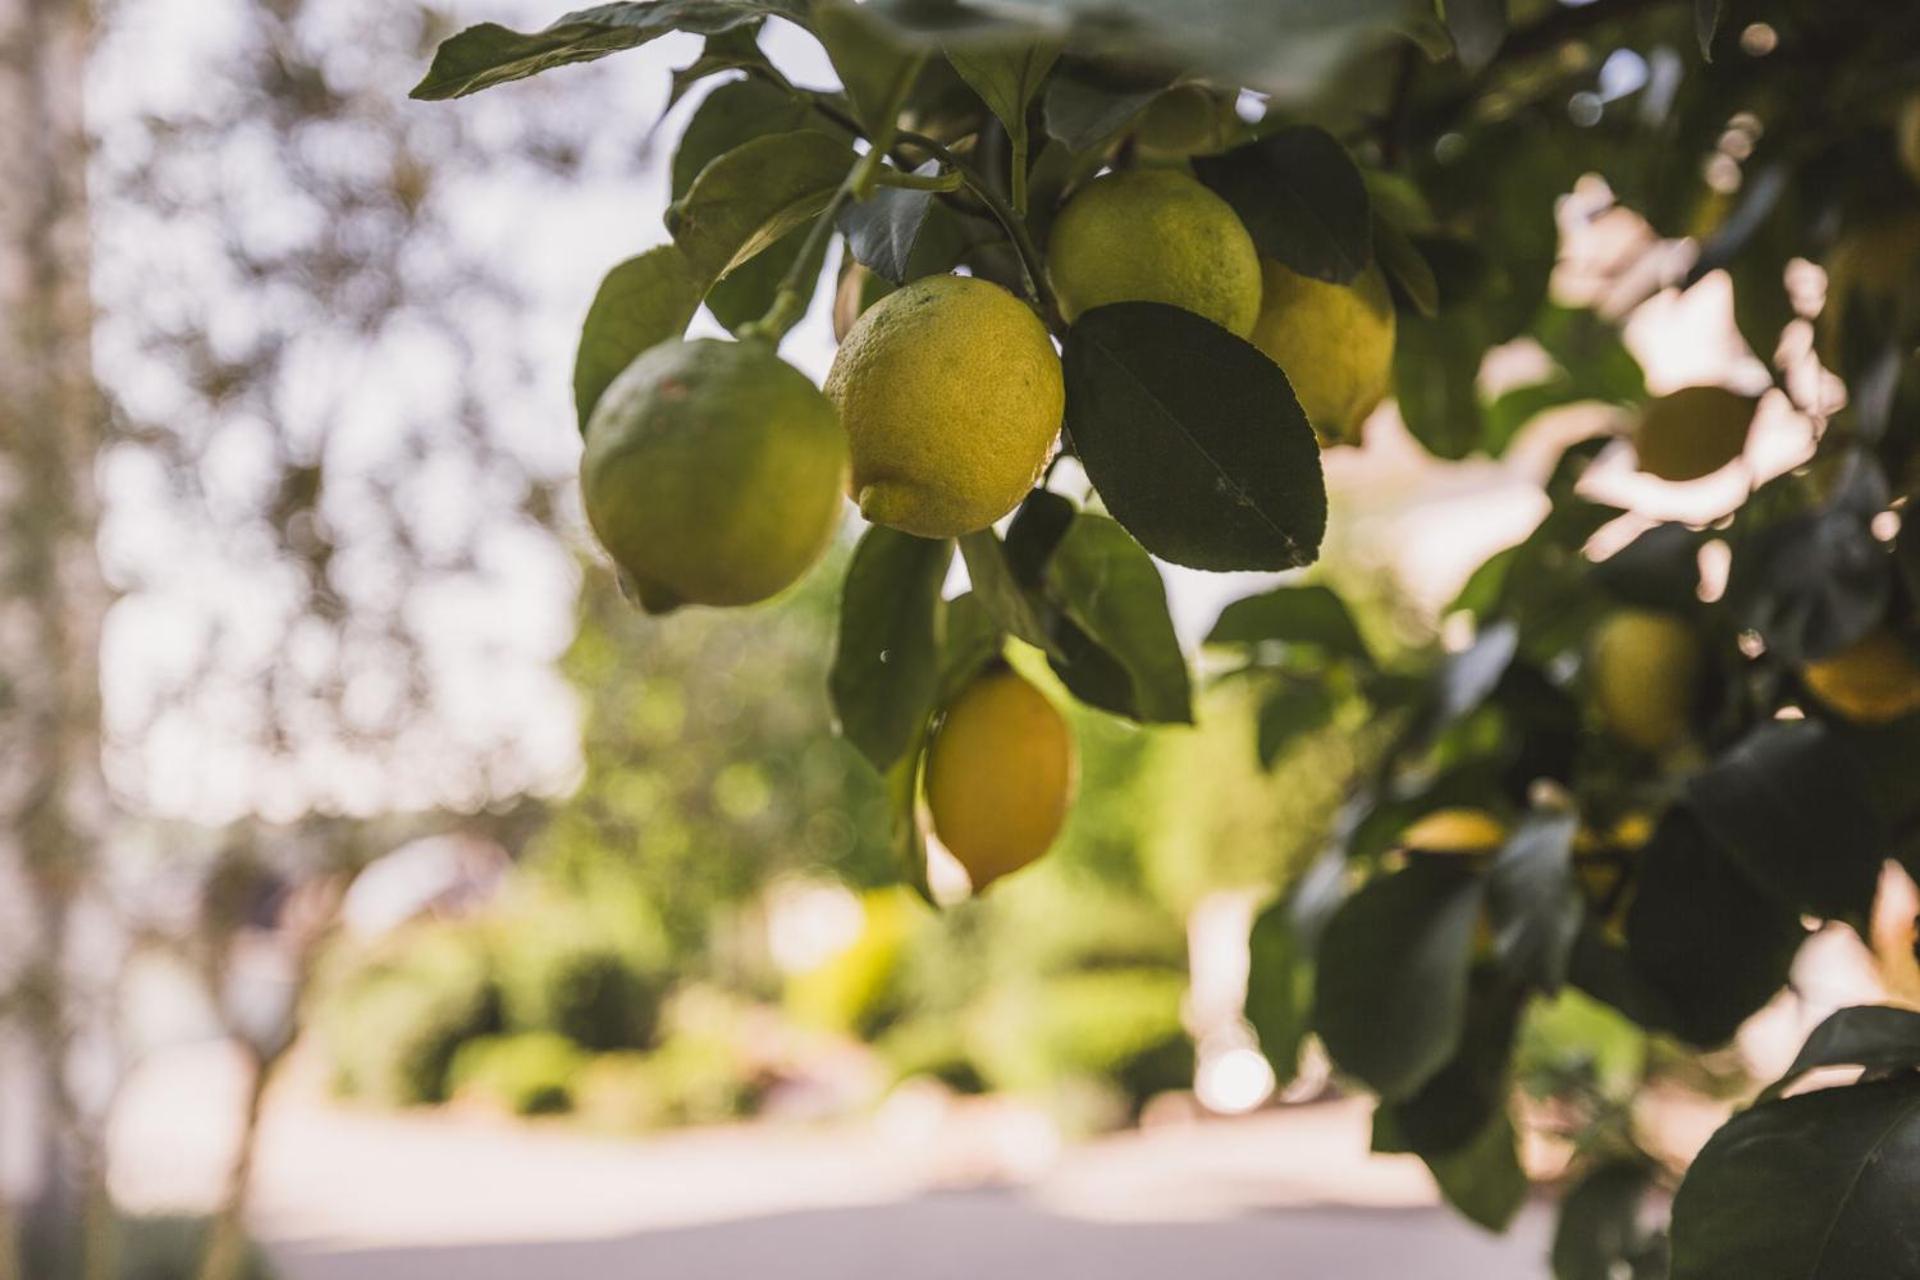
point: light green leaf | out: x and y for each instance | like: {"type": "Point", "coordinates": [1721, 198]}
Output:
{"type": "Point", "coordinates": [753, 195]}
{"type": "Point", "coordinates": [1006, 74]}
{"type": "Point", "coordinates": [874, 66]}
{"type": "Point", "coordinates": [1108, 586]}
{"type": "Point", "coordinates": [642, 302]}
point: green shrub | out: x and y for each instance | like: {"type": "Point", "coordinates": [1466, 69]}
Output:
{"type": "Point", "coordinates": [587, 992]}
{"type": "Point", "coordinates": [1116, 1025]}
{"type": "Point", "coordinates": [161, 1247]}
{"type": "Point", "coordinates": [533, 1073]}
{"type": "Point", "coordinates": [392, 1017]}
{"type": "Point", "coordinates": [934, 1047]}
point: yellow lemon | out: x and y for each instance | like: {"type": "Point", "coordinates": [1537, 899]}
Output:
{"type": "Point", "coordinates": [1875, 681]}
{"type": "Point", "coordinates": [1333, 341]}
{"type": "Point", "coordinates": [1000, 776]}
{"type": "Point", "coordinates": [713, 473]}
{"type": "Point", "coordinates": [951, 394]}
{"type": "Point", "coordinates": [1645, 668]}
{"type": "Point", "coordinates": [1455, 831]}
{"type": "Point", "coordinates": [1693, 432]}
{"type": "Point", "coordinates": [1155, 235]}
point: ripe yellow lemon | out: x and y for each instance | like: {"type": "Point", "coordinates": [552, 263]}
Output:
{"type": "Point", "coordinates": [1645, 668]}
{"type": "Point", "coordinates": [1155, 235]}
{"type": "Point", "coordinates": [1875, 681]}
{"type": "Point", "coordinates": [1000, 776]}
{"type": "Point", "coordinates": [951, 394]}
{"type": "Point", "coordinates": [1333, 341]}
{"type": "Point", "coordinates": [713, 473]}
{"type": "Point", "coordinates": [1455, 831]}
{"type": "Point", "coordinates": [1693, 432]}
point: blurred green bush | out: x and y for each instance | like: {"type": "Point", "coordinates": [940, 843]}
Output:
{"type": "Point", "coordinates": [530, 1073]}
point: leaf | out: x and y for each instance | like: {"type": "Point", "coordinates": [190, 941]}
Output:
{"type": "Point", "coordinates": [1710, 946]}
{"type": "Point", "coordinates": [753, 195]}
{"type": "Point", "coordinates": [1533, 904]}
{"type": "Point", "coordinates": [1599, 1228]}
{"type": "Point", "coordinates": [1436, 378]}
{"type": "Point", "coordinates": [1390, 992]}
{"type": "Point", "coordinates": [1660, 569]}
{"type": "Point", "coordinates": [1453, 1108]}
{"type": "Point", "coordinates": [1298, 707]}
{"type": "Point", "coordinates": [874, 67]}
{"type": "Point", "coordinates": [1877, 1037]}
{"type": "Point", "coordinates": [1302, 198]}
{"type": "Point", "coordinates": [1469, 677]}
{"type": "Point", "coordinates": [1101, 580]}
{"type": "Point", "coordinates": [885, 662]}
{"type": "Point", "coordinates": [1309, 615]}
{"type": "Point", "coordinates": [1013, 607]}
{"type": "Point", "coordinates": [1818, 1187]}
{"type": "Point", "coordinates": [1194, 439]}
{"type": "Point", "coordinates": [1484, 1181]}
{"type": "Point", "coordinates": [1279, 1003]}
{"type": "Point", "coordinates": [1479, 28]}
{"type": "Point", "coordinates": [489, 54]}
{"type": "Point", "coordinates": [1034, 534]}
{"type": "Point", "coordinates": [969, 640]}
{"type": "Point", "coordinates": [904, 836]}
{"type": "Point", "coordinates": [1786, 802]}
{"type": "Point", "coordinates": [1407, 269]}
{"type": "Point", "coordinates": [735, 50]}
{"type": "Point", "coordinates": [732, 115]}
{"type": "Point", "coordinates": [1083, 108]}
{"type": "Point", "coordinates": [1706, 21]}
{"type": "Point", "coordinates": [749, 289]}
{"type": "Point", "coordinates": [1006, 74]}
{"type": "Point", "coordinates": [1590, 351]}
{"type": "Point", "coordinates": [641, 303]}
{"type": "Point", "coordinates": [883, 230]}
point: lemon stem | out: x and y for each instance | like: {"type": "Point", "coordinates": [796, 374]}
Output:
{"type": "Point", "coordinates": [950, 181]}
{"type": "Point", "coordinates": [1031, 264]}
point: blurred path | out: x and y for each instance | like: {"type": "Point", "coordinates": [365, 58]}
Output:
{"type": "Point", "coordinates": [925, 1190]}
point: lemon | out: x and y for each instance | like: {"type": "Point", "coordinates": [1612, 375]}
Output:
{"type": "Point", "coordinates": [1000, 776]}
{"type": "Point", "coordinates": [1333, 341]}
{"type": "Point", "coordinates": [1693, 432]}
{"type": "Point", "coordinates": [712, 473]}
{"type": "Point", "coordinates": [1186, 119]}
{"type": "Point", "coordinates": [951, 394]}
{"type": "Point", "coordinates": [1155, 235]}
{"type": "Point", "coordinates": [1875, 681]}
{"type": "Point", "coordinates": [1644, 668]}
{"type": "Point", "coordinates": [1455, 831]}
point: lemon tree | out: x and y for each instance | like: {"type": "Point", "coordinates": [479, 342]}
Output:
{"type": "Point", "coordinates": [1191, 245]}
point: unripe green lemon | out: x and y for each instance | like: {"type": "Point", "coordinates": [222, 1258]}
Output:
{"type": "Point", "coordinates": [713, 473]}
{"type": "Point", "coordinates": [1693, 432]}
{"type": "Point", "coordinates": [1874, 681]}
{"type": "Point", "coordinates": [1000, 776]}
{"type": "Point", "coordinates": [1455, 831]}
{"type": "Point", "coordinates": [951, 394]}
{"type": "Point", "coordinates": [1333, 341]}
{"type": "Point", "coordinates": [1186, 119]}
{"type": "Point", "coordinates": [1645, 668]}
{"type": "Point", "coordinates": [1155, 235]}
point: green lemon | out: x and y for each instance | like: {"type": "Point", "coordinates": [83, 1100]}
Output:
{"type": "Point", "coordinates": [1185, 120]}
{"type": "Point", "coordinates": [951, 394]}
{"type": "Point", "coordinates": [1000, 776]}
{"type": "Point", "coordinates": [1693, 432]}
{"type": "Point", "coordinates": [1333, 341]}
{"type": "Point", "coordinates": [1874, 681]}
{"type": "Point", "coordinates": [713, 473]}
{"type": "Point", "coordinates": [1155, 235]}
{"type": "Point", "coordinates": [1645, 670]}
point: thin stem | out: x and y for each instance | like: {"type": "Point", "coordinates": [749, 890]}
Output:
{"type": "Point", "coordinates": [949, 181]}
{"type": "Point", "coordinates": [1033, 266]}
{"type": "Point", "coordinates": [1017, 170]}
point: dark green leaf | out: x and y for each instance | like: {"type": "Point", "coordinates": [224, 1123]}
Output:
{"type": "Point", "coordinates": [1479, 28]}
{"type": "Point", "coordinates": [874, 65]}
{"type": "Point", "coordinates": [735, 50]}
{"type": "Point", "coordinates": [1101, 580]}
{"type": "Point", "coordinates": [1533, 903]}
{"type": "Point", "coordinates": [1302, 198]}
{"type": "Point", "coordinates": [1787, 804]}
{"type": "Point", "coordinates": [1083, 108]}
{"type": "Point", "coordinates": [1436, 374]}
{"type": "Point", "coordinates": [748, 291]}
{"type": "Point", "coordinates": [1456, 1105]}
{"type": "Point", "coordinates": [1279, 989]}
{"type": "Point", "coordinates": [1706, 21]}
{"type": "Point", "coordinates": [1818, 1187]}
{"type": "Point", "coordinates": [1005, 73]}
{"type": "Point", "coordinates": [1018, 610]}
{"type": "Point", "coordinates": [885, 663]}
{"type": "Point", "coordinates": [1814, 583]}
{"type": "Point", "coordinates": [1660, 569]}
{"type": "Point", "coordinates": [1194, 439]}
{"type": "Point", "coordinates": [1877, 1037]}
{"type": "Point", "coordinates": [753, 195]}
{"type": "Point", "coordinates": [1297, 707]}
{"type": "Point", "coordinates": [1042, 520]}
{"type": "Point", "coordinates": [1484, 1180]}
{"type": "Point", "coordinates": [1408, 272]}
{"type": "Point", "coordinates": [642, 302]}
{"type": "Point", "coordinates": [489, 54]}
{"type": "Point", "coordinates": [1599, 1229]}
{"type": "Point", "coordinates": [732, 115]}
{"type": "Point", "coordinates": [970, 639]}
{"type": "Point", "coordinates": [1710, 946]}
{"type": "Point", "coordinates": [1467, 678]}
{"type": "Point", "coordinates": [1390, 992]}
{"type": "Point", "coordinates": [1591, 353]}
{"type": "Point", "coordinates": [1309, 615]}
{"type": "Point", "coordinates": [883, 230]}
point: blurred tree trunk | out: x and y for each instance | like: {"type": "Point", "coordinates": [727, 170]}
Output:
{"type": "Point", "coordinates": [53, 804]}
